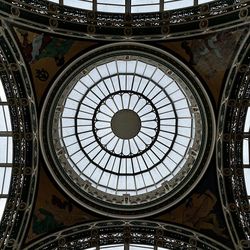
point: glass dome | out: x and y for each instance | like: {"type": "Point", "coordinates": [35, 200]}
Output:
{"type": "Point", "coordinates": [127, 127]}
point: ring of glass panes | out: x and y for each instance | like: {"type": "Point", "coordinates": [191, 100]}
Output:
{"type": "Point", "coordinates": [128, 128]}
{"type": "Point", "coordinates": [136, 143]}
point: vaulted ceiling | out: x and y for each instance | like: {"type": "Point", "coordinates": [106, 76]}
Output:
{"type": "Point", "coordinates": [46, 49]}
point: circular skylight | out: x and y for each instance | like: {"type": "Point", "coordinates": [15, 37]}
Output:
{"type": "Point", "coordinates": [126, 124]}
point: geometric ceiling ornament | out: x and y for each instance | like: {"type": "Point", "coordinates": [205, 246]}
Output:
{"type": "Point", "coordinates": [127, 130]}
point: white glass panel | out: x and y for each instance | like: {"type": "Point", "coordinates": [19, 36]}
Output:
{"type": "Point", "coordinates": [247, 179]}
{"type": "Point", "coordinates": [247, 121]}
{"type": "Point", "coordinates": [10, 149]}
{"type": "Point", "coordinates": [144, 2]}
{"type": "Point", "coordinates": [139, 6]}
{"type": "Point", "coordinates": [111, 6]}
{"type": "Point", "coordinates": [3, 149]}
{"type": "Point", "coordinates": [205, 1]}
{"type": "Point", "coordinates": [79, 4]}
{"type": "Point", "coordinates": [246, 151]}
{"type": "Point", "coordinates": [170, 5]}
{"type": "Point", "coordinates": [145, 9]}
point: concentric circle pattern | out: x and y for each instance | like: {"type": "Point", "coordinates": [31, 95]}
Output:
{"type": "Point", "coordinates": [140, 118]}
{"type": "Point", "coordinates": [127, 126]}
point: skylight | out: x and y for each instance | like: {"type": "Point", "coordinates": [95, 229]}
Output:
{"type": "Point", "coordinates": [127, 127]}
{"type": "Point", "coordinates": [5, 149]}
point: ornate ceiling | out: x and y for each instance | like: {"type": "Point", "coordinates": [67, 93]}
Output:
{"type": "Point", "coordinates": [47, 54]}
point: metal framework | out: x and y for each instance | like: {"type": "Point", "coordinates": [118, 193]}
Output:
{"type": "Point", "coordinates": [118, 26]}
{"type": "Point", "coordinates": [19, 98]}
{"type": "Point", "coordinates": [94, 235]}
{"type": "Point", "coordinates": [158, 25]}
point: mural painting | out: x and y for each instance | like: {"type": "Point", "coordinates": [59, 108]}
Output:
{"type": "Point", "coordinates": [46, 54]}
{"type": "Point", "coordinates": [210, 55]}
{"type": "Point", "coordinates": [53, 211]}
{"type": "Point", "coordinates": [197, 212]}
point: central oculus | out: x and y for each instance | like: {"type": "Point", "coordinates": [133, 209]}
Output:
{"type": "Point", "coordinates": [126, 124]}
